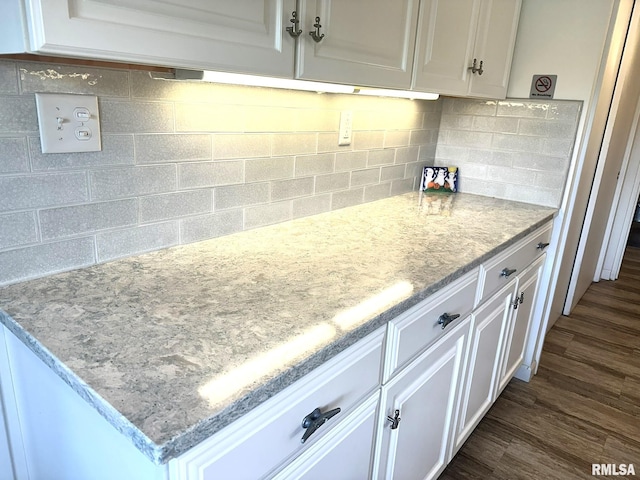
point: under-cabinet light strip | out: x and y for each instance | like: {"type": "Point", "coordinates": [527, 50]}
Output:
{"type": "Point", "coordinates": [306, 85]}
{"type": "Point", "coordinates": [273, 82]}
{"type": "Point", "coordinates": [385, 92]}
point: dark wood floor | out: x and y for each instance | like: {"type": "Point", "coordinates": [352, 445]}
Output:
{"type": "Point", "coordinates": [583, 407]}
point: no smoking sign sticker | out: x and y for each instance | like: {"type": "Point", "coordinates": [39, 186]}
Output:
{"type": "Point", "coordinates": [543, 86]}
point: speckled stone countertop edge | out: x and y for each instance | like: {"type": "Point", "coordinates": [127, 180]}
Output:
{"type": "Point", "coordinates": [104, 408]}
{"type": "Point", "coordinates": [179, 444]}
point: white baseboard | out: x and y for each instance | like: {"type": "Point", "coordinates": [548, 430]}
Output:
{"type": "Point", "coordinates": [524, 373]}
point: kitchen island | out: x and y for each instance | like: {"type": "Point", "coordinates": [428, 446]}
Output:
{"type": "Point", "coordinates": [172, 346]}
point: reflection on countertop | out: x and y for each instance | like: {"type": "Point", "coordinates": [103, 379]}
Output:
{"type": "Point", "coordinates": [174, 345]}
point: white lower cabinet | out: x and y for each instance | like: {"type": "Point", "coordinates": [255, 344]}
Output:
{"type": "Point", "coordinates": [416, 411]}
{"type": "Point", "coordinates": [6, 462]}
{"type": "Point", "coordinates": [344, 453]}
{"type": "Point", "coordinates": [500, 330]}
{"type": "Point", "coordinates": [488, 331]}
{"type": "Point", "coordinates": [262, 441]}
{"type": "Point", "coordinates": [7, 408]}
{"type": "Point", "coordinates": [410, 333]}
{"type": "Point", "coordinates": [444, 362]}
{"type": "Point", "coordinates": [521, 320]}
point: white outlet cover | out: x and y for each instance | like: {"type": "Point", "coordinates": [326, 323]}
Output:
{"type": "Point", "coordinates": [345, 128]}
{"type": "Point", "coordinates": [68, 123]}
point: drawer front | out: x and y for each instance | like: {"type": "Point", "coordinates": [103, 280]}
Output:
{"type": "Point", "coordinates": [412, 332]}
{"type": "Point", "coordinates": [497, 272]}
{"type": "Point", "coordinates": [263, 439]}
{"type": "Point", "coordinates": [345, 452]}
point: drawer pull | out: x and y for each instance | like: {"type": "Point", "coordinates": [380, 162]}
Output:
{"type": "Point", "coordinates": [507, 272]}
{"type": "Point", "coordinates": [395, 420]}
{"type": "Point", "coordinates": [445, 319]}
{"type": "Point", "coordinates": [315, 420]}
{"type": "Point", "coordinates": [542, 246]}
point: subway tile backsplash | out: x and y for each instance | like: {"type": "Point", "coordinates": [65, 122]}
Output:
{"type": "Point", "coordinates": [184, 161]}
{"type": "Point", "coordinates": [512, 149]}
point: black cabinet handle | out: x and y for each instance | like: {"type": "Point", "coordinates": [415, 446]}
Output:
{"type": "Point", "coordinates": [445, 319]}
{"type": "Point", "coordinates": [293, 29]}
{"type": "Point", "coordinates": [316, 34]}
{"type": "Point", "coordinates": [518, 301]}
{"type": "Point", "coordinates": [542, 246]}
{"type": "Point", "coordinates": [507, 272]}
{"type": "Point", "coordinates": [315, 420]}
{"type": "Point", "coordinates": [474, 68]}
{"type": "Point", "coordinates": [395, 420]}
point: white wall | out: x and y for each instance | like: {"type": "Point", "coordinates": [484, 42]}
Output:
{"type": "Point", "coordinates": [568, 38]}
{"type": "Point", "coordinates": [560, 37]}
{"type": "Point", "coordinates": [615, 147]}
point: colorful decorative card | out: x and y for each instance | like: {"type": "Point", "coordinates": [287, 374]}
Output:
{"type": "Point", "coordinates": [439, 180]}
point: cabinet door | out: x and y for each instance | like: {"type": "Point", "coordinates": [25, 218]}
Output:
{"type": "Point", "coordinates": [452, 33]}
{"type": "Point", "coordinates": [232, 35]}
{"type": "Point", "coordinates": [13, 463]}
{"type": "Point", "coordinates": [6, 462]}
{"type": "Point", "coordinates": [495, 40]}
{"type": "Point", "coordinates": [445, 40]}
{"type": "Point", "coordinates": [367, 43]}
{"type": "Point", "coordinates": [520, 322]}
{"type": "Point", "coordinates": [344, 454]}
{"type": "Point", "coordinates": [424, 395]}
{"type": "Point", "coordinates": [480, 387]}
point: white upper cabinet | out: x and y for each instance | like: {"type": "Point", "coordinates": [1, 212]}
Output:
{"type": "Point", "coordinates": [427, 45]}
{"type": "Point", "coordinates": [453, 34]}
{"type": "Point", "coordinates": [369, 43]}
{"type": "Point", "coordinates": [233, 35]}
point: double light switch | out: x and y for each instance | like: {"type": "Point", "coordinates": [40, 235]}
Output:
{"type": "Point", "coordinates": [68, 123]}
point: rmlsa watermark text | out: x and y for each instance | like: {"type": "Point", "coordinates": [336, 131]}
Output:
{"type": "Point", "coordinates": [612, 469]}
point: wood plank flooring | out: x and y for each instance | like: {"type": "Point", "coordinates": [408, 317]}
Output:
{"type": "Point", "coordinates": [583, 407]}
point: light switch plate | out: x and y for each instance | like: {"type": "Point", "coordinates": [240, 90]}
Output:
{"type": "Point", "coordinates": [346, 127]}
{"type": "Point", "coordinates": [68, 123]}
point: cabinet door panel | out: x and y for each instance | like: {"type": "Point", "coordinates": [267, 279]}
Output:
{"type": "Point", "coordinates": [366, 42]}
{"type": "Point", "coordinates": [445, 45]}
{"type": "Point", "coordinates": [494, 46]}
{"type": "Point", "coordinates": [482, 375]}
{"type": "Point", "coordinates": [425, 395]}
{"type": "Point", "coordinates": [236, 35]}
{"type": "Point", "coordinates": [521, 322]}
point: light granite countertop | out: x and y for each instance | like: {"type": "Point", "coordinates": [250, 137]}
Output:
{"type": "Point", "coordinates": [172, 346]}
